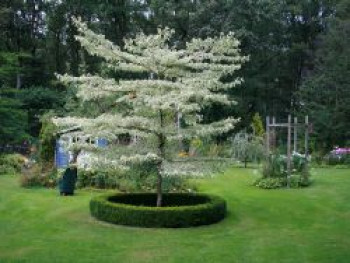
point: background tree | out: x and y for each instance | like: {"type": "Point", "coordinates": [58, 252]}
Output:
{"type": "Point", "coordinates": [13, 119]}
{"type": "Point", "coordinates": [37, 101]}
{"type": "Point", "coordinates": [257, 126]}
{"type": "Point", "coordinates": [179, 81]}
{"type": "Point", "coordinates": [282, 39]}
{"type": "Point", "coordinates": [247, 147]}
{"type": "Point", "coordinates": [325, 93]}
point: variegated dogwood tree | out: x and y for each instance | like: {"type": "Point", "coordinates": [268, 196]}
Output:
{"type": "Point", "coordinates": [178, 81]}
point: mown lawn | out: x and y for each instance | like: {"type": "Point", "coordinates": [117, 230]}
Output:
{"type": "Point", "coordinates": [301, 225]}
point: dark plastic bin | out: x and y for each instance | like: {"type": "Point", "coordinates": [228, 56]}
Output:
{"type": "Point", "coordinates": [67, 183]}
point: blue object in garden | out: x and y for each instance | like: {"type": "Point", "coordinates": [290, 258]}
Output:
{"type": "Point", "coordinates": [61, 155]}
{"type": "Point", "coordinates": [101, 142]}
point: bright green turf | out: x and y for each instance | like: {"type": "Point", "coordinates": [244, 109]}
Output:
{"type": "Point", "coordinates": [273, 226]}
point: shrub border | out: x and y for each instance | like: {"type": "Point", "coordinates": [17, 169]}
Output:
{"type": "Point", "coordinates": [207, 213]}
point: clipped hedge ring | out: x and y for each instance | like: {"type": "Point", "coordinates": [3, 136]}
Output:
{"type": "Point", "coordinates": [178, 210]}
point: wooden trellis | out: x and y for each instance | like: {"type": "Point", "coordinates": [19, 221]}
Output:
{"type": "Point", "coordinates": [271, 127]}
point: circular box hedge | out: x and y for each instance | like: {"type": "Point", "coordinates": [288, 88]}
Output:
{"type": "Point", "coordinates": [178, 210]}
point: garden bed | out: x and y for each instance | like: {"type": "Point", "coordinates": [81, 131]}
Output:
{"type": "Point", "coordinates": [178, 210]}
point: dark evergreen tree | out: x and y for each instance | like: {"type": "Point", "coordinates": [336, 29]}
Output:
{"type": "Point", "coordinates": [325, 94]}
{"type": "Point", "coordinates": [13, 119]}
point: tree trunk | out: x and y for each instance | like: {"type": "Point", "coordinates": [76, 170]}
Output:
{"type": "Point", "coordinates": [161, 149]}
{"type": "Point", "coordinates": [18, 81]}
{"type": "Point", "coordinates": [159, 185]}
{"type": "Point", "coordinates": [289, 156]}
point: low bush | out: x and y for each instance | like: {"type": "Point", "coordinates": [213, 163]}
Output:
{"type": "Point", "coordinates": [275, 173]}
{"type": "Point", "coordinates": [34, 176]}
{"type": "Point", "coordinates": [5, 169]}
{"type": "Point", "coordinates": [11, 163]}
{"type": "Point", "coordinates": [139, 178]}
{"type": "Point", "coordinates": [178, 210]}
{"type": "Point", "coordinates": [114, 178]}
{"type": "Point", "coordinates": [296, 181]}
{"type": "Point", "coordinates": [337, 159]}
{"type": "Point", "coordinates": [270, 183]}
{"type": "Point", "coordinates": [275, 167]}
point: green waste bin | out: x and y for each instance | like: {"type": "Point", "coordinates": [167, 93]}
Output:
{"type": "Point", "coordinates": [66, 184]}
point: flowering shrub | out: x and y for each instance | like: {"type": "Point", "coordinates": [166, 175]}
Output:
{"type": "Point", "coordinates": [338, 156]}
{"type": "Point", "coordinates": [341, 151]}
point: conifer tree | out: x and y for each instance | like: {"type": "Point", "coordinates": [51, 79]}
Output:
{"type": "Point", "coordinates": [179, 81]}
{"type": "Point", "coordinates": [257, 125]}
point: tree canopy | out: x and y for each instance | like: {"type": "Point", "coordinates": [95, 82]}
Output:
{"type": "Point", "coordinates": [283, 39]}
{"type": "Point", "coordinates": [325, 93]}
{"type": "Point", "coordinates": [178, 81]}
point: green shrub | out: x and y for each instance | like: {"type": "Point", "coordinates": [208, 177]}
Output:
{"type": "Point", "coordinates": [337, 159]}
{"type": "Point", "coordinates": [11, 163]}
{"type": "Point", "coordinates": [35, 177]}
{"type": "Point", "coordinates": [5, 169]}
{"type": "Point", "coordinates": [275, 166]}
{"type": "Point", "coordinates": [100, 178]}
{"type": "Point", "coordinates": [299, 163]}
{"type": "Point", "coordinates": [274, 173]}
{"type": "Point", "coordinates": [47, 138]}
{"type": "Point", "coordinates": [177, 184]}
{"type": "Point", "coordinates": [270, 183]}
{"type": "Point", "coordinates": [141, 177]}
{"type": "Point", "coordinates": [296, 181]}
{"type": "Point", "coordinates": [318, 158]}
{"type": "Point", "coordinates": [138, 209]}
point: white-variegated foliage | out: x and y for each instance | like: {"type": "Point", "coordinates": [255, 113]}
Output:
{"type": "Point", "coordinates": [180, 81]}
